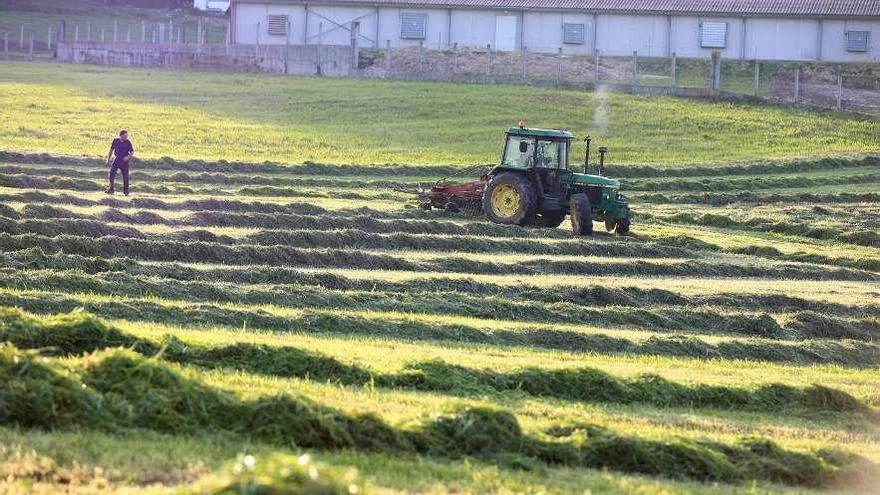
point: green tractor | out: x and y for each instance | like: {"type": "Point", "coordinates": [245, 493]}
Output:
{"type": "Point", "coordinates": [533, 185]}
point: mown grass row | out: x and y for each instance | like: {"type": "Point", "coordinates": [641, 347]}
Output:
{"type": "Point", "coordinates": [33, 259]}
{"type": "Point", "coordinates": [78, 333]}
{"type": "Point", "coordinates": [729, 184]}
{"type": "Point", "coordinates": [755, 198]}
{"type": "Point", "coordinates": [766, 251]}
{"type": "Point", "coordinates": [277, 473]}
{"type": "Point", "coordinates": [287, 217]}
{"type": "Point", "coordinates": [816, 351]}
{"type": "Point", "coordinates": [220, 178]}
{"type": "Point", "coordinates": [720, 183]}
{"type": "Point", "coordinates": [710, 198]}
{"type": "Point", "coordinates": [29, 181]}
{"type": "Point", "coordinates": [116, 389]}
{"type": "Point", "coordinates": [659, 247]}
{"type": "Point", "coordinates": [324, 237]}
{"type": "Point", "coordinates": [249, 254]}
{"type": "Point", "coordinates": [663, 319]}
{"type": "Point", "coordinates": [623, 170]}
{"type": "Point", "coordinates": [788, 226]}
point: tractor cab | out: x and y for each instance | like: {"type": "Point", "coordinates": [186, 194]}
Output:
{"type": "Point", "coordinates": [534, 184]}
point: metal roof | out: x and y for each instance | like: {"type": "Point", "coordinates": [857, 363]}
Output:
{"type": "Point", "coordinates": [739, 8]}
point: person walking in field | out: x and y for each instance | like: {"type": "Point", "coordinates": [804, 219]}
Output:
{"type": "Point", "coordinates": [122, 149]}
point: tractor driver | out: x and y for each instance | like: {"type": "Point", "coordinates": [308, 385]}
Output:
{"type": "Point", "coordinates": [526, 158]}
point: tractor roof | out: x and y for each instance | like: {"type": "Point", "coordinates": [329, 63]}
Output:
{"type": "Point", "coordinates": [546, 133]}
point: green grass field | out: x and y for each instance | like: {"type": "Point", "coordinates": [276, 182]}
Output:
{"type": "Point", "coordinates": [74, 110]}
{"type": "Point", "coordinates": [229, 318]}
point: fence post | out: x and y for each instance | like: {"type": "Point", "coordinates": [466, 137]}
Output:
{"type": "Point", "coordinates": [21, 39]}
{"type": "Point", "coordinates": [128, 34]}
{"type": "Point", "coordinates": [674, 70]}
{"type": "Point", "coordinates": [596, 68]}
{"type": "Point", "coordinates": [757, 82]}
{"type": "Point", "coordinates": [559, 68]}
{"type": "Point", "coordinates": [839, 89]}
{"type": "Point", "coordinates": [143, 31]}
{"type": "Point", "coordinates": [5, 42]}
{"type": "Point", "coordinates": [115, 30]}
{"type": "Point", "coordinates": [76, 33]}
{"type": "Point", "coordinates": [355, 49]}
{"type": "Point", "coordinates": [257, 45]}
{"type": "Point", "coordinates": [286, 46]}
{"type": "Point", "coordinates": [88, 31]}
{"type": "Point", "coordinates": [171, 32]}
{"type": "Point", "coordinates": [635, 72]}
{"type": "Point", "coordinates": [455, 58]}
{"type": "Point", "coordinates": [797, 84]}
{"type": "Point", "coordinates": [102, 35]}
{"type": "Point", "coordinates": [228, 38]}
{"type": "Point", "coordinates": [488, 61]}
{"type": "Point", "coordinates": [715, 82]}
{"type": "Point", "coordinates": [31, 47]}
{"type": "Point", "coordinates": [49, 39]}
{"type": "Point", "coordinates": [199, 31]}
{"type": "Point", "coordinates": [525, 65]}
{"type": "Point", "coordinates": [421, 58]}
{"type": "Point", "coordinates": [387, 57]}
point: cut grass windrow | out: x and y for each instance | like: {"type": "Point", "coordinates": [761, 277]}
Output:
{"type": "Point", "coordinates": [622, 170]}
{"type": "Point", "coordinates": [362, 219]}
{"type": "Point", "coordinates": [764, 251]}
{"type": "Point", "coordinates": [27, 181]}
{"type": "Point", "coordinates": [116, 388]}
{"type": "Point", "coordinates": [845, 352]}
{"type": "Point", "coordinates": [674, 246]}
{"type": "Point", "coordinates": [869, 238]}
{"type": "Point", "coordinates": [356, 239]}
{"type": "Point", "coordinates": [721, 199]}
{"type": "Point", "coordinates": [79, 332]}
{"type": "Point", "coordinates": [663, 319]}
{"type": "Point", "coordinates": [287, 277]}
{"type": "Point", "coordinates": [208, 252]}
{"type": "Point", "coordinates": [140, 176]}
{"type": "Point", "coordinates": [731, 184]}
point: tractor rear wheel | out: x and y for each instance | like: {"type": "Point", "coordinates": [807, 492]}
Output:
{"type": "Point", "coordinates": [550, 219]}
{"type": "Point", "coordinates": [623, 226]}
{"type": "Point", "coordinates": [581, 214]}
{"type": "Point", "coordinates": [510, 198]}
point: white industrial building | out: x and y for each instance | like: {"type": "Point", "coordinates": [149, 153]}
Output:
{"type": "Point", "coordinates": [824, 30]}
{"type": "Point", "coordinates": [211, 5]}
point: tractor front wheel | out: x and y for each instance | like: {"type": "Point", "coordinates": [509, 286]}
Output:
{"type": "Point", "coordinates": [610, 223]}
{"type": "Point", "coordinates": [623, 226]}
{"type": "Point", "coordinates": [581, 214]}
{"type": "Point", "coordinates": [510, 198]}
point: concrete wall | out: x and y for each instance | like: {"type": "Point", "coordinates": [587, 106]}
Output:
{"type": "Point", "coordinates": [613, 35]}
{"type": "Point", "coordinates": [300, 60]}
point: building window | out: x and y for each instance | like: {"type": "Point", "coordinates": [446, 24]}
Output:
{"type": "Point", "coordinates": [276, 25]}
{"type": "Point", "coordinates": [713, 34]}
{"type": "Point", "coordinates": [412, 25]}
{"type": "Point", "coordinates": [856, 41]}
{"type": "Point", "coordinates": [573, 33]}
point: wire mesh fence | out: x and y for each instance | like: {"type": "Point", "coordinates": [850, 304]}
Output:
{"type": "Point", "coordinates": [42, 35]}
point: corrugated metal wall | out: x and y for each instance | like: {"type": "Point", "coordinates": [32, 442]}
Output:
{"type": "Point", "coordinates": [650, 35]}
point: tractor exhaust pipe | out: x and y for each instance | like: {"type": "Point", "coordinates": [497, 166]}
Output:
{"type": "Point", "coordinates": [602, 151]}
{"type": "Point", "coordinates": [587, 154]}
